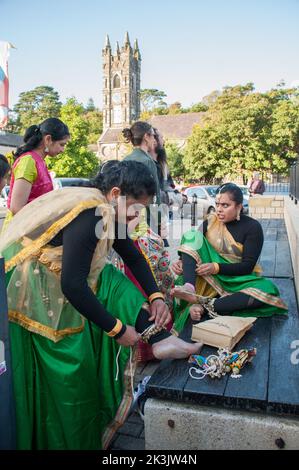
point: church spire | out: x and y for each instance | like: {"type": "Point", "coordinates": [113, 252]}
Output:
{"type": "Point", "coordinates": [137, 54]}
{"type": "Point", "coordinates": [117, 48]}
{"type": "Point", "coordinates": [127, 39]}
{"type": "Point", "coordinates": [107, 43]}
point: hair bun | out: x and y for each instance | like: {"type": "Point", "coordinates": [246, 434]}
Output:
{"type": "Point", "coordinates": [127, 133]}
{"type": "Point", "coordinates": [30, 132]}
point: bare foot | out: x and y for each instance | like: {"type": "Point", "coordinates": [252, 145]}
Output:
{"type": "Point", "coordinates": [184, 293]}
{"type": "Point", "coordinates": [175, 348]}
{"type": "Point", "coordinates": [196, 312]}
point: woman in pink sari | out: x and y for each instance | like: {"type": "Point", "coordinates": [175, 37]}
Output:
{"type": "Point", "coordinates": [30, 177]}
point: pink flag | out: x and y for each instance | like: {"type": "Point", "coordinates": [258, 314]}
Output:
{"type": "Point", "coordinates": [4, 53]}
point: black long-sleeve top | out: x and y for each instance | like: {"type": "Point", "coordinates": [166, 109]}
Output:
{"type": "Point", "coordinates": [79, 242]}
{"type": "Point", "coordinates": [249, 232]}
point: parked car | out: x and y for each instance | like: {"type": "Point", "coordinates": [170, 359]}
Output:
{"type": "Point", "coordinates": [246, 195]}
{"type": "Point", "coordinates": [4, 196]}
{"type": "Point", "coordinates": [205, 199]}
{"type": "Point", "coordinates": [59, 183]}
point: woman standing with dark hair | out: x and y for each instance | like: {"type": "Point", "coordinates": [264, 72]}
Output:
{"type": "Point", "coordinates": [73, 317]}
{"type": "Point", "coordinates": [30, 177]}
{"type": "Point", "coordinates": [4, 171]}
{"type": "Point", "coordinates": [142, 136]}
{"type": "Point", "coordinates": [219, 267]}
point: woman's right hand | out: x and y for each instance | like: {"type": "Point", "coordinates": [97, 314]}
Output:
{"type": "Point", "coordinates": [177, 267]}
{"type": "Point", "coordinates": [130, 337]}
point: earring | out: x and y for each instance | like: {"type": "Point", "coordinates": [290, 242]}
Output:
{"type": "Point", "coordinates": [238, 216]}
{"type": "Point", "coordinates": [46, 149]}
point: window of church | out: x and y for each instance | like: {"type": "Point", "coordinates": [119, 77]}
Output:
{"type": "Point", "coordinates": [116, 81]}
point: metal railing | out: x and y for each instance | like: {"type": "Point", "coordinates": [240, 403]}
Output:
{"type": "Point", "coordinates": [277, 188]}
{"type": "Point", "coordinates": [294, 182]}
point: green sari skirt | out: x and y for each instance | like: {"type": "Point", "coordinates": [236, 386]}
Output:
{"type": "Point", "coordinates": [74, 394]}
{"type": "Point", "coordinates": [196, 245]}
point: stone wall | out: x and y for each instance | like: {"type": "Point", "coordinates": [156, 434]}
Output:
{"type": "Point", "coordinates": [266, 207]}
{"type": "Point", "coordinates": [291, 215]}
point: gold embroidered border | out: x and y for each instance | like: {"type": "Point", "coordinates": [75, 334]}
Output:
{"type": "Point", "coordinates": [252, 291]}
{"type": "Point", "coordinates": [264, 297]}
{"type": "Point", "coordinates": [36, 245]}
{"type": "Point", "coordinates": [46, 331]}
{"type": "Point", "coordinates": [125, 404]}
{"type": "Point", "coordinates": [210, 279]}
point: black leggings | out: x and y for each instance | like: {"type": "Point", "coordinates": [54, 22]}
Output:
{"type": "Point", "coordinates": [237, 301]}
{"type": "Point", "coordinates": [224, 305]}
{"type": "Point", "coordinates": [143, 322]}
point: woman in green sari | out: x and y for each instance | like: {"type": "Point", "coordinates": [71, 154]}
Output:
{"type": "Point", "coordinates": [73, 318]}
{"type": "Point", "coordinates": [218, 268]}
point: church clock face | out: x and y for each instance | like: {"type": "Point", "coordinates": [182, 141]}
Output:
{"type": "Point", "coordinates": [116, 98]}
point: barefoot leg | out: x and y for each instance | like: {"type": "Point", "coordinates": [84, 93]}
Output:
{"type": "Point", "coordinates": [180, 292]}
{"type": "Point", "coordinates": [175, 348]}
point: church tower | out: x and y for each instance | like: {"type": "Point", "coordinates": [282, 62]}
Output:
{"type": "Point", "coordinates": [121, 84]}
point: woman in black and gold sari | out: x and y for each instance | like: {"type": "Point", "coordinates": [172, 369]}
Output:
{"type": "Point", "coordinates": [219, 271]}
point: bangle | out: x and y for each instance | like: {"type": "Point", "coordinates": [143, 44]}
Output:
{"type": "Point", "coordinates": [116, 329]}
{"type": "Point", "coordinates": [217, 268]}
{"type": "Point", "coordinates": [155, 296]}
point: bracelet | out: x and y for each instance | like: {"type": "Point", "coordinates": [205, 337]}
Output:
{"type": "Point", "coordinates": [155, 296]}
{"type": "Point", "coordinates": [116, 329]}
{"type": "Point", "coordinates": [217, 267]}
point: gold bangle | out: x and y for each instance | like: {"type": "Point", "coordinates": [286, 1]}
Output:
{"type": "Point", "coordinates": [116, 329]}
{"type": "Point", "coordinates": [216, 266]}
{"type": "Point", "coordinates": [156, 295]}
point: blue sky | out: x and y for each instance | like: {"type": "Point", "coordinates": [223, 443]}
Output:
{"type": "Point", "coordinates": [189, 47]}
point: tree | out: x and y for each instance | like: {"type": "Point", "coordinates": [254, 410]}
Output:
{"type": "Point", "coordinates": [34, 106]}
{"type": "Point", "coordinates": [175, 160]}
{"type": "Point", "coordinates": [152, 98]}
{"type": "Point", "coordinates": [243, 131]}
{"type": "Point", "coordinates": [90, 105]}
{"type": "Point", "coordinates": [76, 160]}
{"type": "Point", "coordinates": [95, 122]}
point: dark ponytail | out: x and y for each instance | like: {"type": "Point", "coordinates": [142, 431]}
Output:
{"type": "Point", "coordinates": [233, 190]}
{"type": "Point", "coordinates": [4, 166]}
{"type": "Point", "coordinates": [34, 134]}
{"type": "Point", "coordinates": [136, 133]}
{"type": "Point", "coordinates": [133, 179]}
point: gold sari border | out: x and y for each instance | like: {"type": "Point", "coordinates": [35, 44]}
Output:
{"type": "Point", "coordinates": [264, 297]}
{"type": "Point", "coordinates": [42, 330]}
{"type": "Point", "coordinates": [125, 404]}
{"type": "Point", "coordinates": [210, 279]}
{"type": "Point", "coordinates": [34, 247]}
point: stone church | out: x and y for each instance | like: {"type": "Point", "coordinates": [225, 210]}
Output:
{"type": "Point", "coordinates": [121, 102]}
{"type": "Point", "coordinates": [121, 95]}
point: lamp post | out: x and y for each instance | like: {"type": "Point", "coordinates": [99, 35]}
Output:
{"type": "Point", "coordinates": [194, 211]}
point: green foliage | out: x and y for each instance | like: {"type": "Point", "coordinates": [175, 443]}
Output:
{"type": "Point", "coordinates": [90, 105]}
{"type": "Point", "coordinates": [36, 105]}
{"type": "Point", "coordinates": [152, 98]}
{"type": "Point", "coordinates": [175, 160]}
{"type": "Point", "coordinates": [94, 119]}
{"type": "Point", "coordinates": [243, 131]}
{"type": "Point", "coordinates": [76, 160]}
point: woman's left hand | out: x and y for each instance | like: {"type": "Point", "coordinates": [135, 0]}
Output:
{"type": "Point", "coordinates": [205, 269]}
{"type": "Point", "coordinates": [159, 312]}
